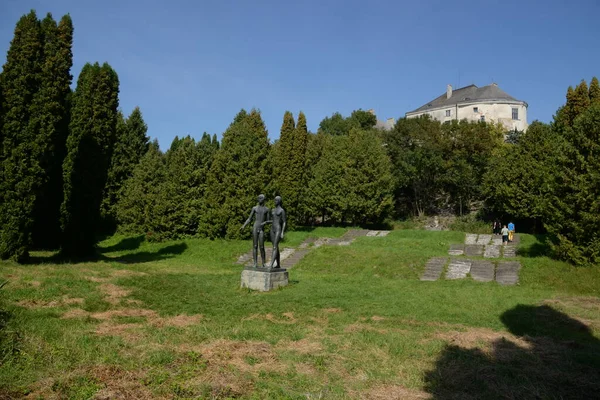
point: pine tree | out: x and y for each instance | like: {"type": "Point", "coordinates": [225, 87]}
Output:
{"type": "Point", "coordinates": [89, 145]}
{"type": "Point", "coordinates": [239, 173]}
{"type": "Point", "coordinates": [594, 92]}
{"type": "Point", "coordinates": [20, 161]}
{"type": "Point", "coordinates": [137, 206]}
{"type": "Point", "coordinates": [280, 159]}
{"type": "Point", "coordinates": [298, 172]}
{"type": "Point", "coordinates": [580, 100]}
{"type": "Point", "coordinates": [130, 146]}
{"type": "Point", "coordinates": [52, 127]}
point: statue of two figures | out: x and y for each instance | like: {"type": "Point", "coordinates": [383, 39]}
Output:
{"type": "Point", "coordinates": [261, 213]}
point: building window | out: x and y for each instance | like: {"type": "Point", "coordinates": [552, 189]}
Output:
{"type": "Point", "coordinates": [448, 113]}
{"type": "Point", "coordinates": [475, 109]}
{"type": "Point", "coordinates": [515, 113]}
{"type": "Point", "coordinates": [482, 118]}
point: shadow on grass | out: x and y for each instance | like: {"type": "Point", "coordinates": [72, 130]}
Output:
{"type": "Point", "coordinates": [541, 248]}
{"type": "Point", "coordinates": [130, 243]}
{"type": "Point", "coordinates": [163, 253]}
{"type": "Point", "coordinates": [560, 360]}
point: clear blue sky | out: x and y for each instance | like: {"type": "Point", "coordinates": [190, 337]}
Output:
{"type": "Point", "coordinates": [192, 65]}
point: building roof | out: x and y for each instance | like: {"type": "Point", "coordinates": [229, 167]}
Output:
{"type": "Point", "coordinates": [467, 94]}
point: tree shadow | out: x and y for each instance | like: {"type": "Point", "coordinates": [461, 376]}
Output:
{"type": "Point", "coordinates": [129, 243]}
{"type": "Point", "coordinates": [169, 251]}
{"type": "Point", "coordinates": [553, 357]}
{"type": "Point", "coordinates": [540, 248]}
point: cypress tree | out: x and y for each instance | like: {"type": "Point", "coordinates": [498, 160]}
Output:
{"type": "Point", "coordinates": [52, 127]}
{"type": "Point", "coordinates": [594, 92]}
{"type": "Point", "coordinates": [136, 209]}
{"type": "Point", "coordinates": [21, 170]}
{"type": "Point", "coordinates": [89, 146]}
{"type": "Point", "coordinates": [239, 173]}
{"type": "Point", "coordinates": [298, 172]}
{"type": "Point", "coordinates": [280, 159]}
{"type": "Point", "coordinates": [130, 146]}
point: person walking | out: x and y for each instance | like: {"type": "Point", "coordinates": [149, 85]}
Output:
{"type": "Point", "coordinates": [511, 231]}
{"type": "Point", "coordinates": [504, 232]}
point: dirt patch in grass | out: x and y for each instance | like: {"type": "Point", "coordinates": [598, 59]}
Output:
{"type": "Point", "coordinates": [391, 392]}
{"type": "Point", "coordinates": [377, 318]}
{"type": "Point", "coordinates": [120, 384]}
{"type": "Point", "coordinates": [357, 327]}
{"type": "Point", "coordinates": [65, 300]}
{"type": "Point", "coordinates": [35, 283]}
{"type": "Point", "coordinates": [302, 346]}
{"type": "Point", "coordinates": [97, 279]}
{"type": "Point", "coordinates": [75, 313]}
{"type": "Point", "coordinates": [113, 293]}
{"type": "Point", "coordinates": [123, 330]}
{"type": "Point", "coordinates": [482, 338]}
{"type": "Point", "coordinates": [332, 310]}
{"type": "Point", "coordinates": [289, 318]}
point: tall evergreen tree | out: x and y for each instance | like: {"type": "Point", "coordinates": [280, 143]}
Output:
{"type": "Point", "coordinates": [594, 92]}
{"type": "Point", "coordinates": [89, 145]}
{"type": "Point", "coordinates": [137, 206]}
{"type": "Point", "coordinates": [298, 176]}
{"type": "Point", "coordinates": [580, 100]}
{"type": "Point", "coordinates": [51, 123]}
{"type": "Point", "coordinates": [130, 146]}
{"type": "Point", "coordinates": [21, 170]}
{"type": "Point", "coordinates": [239, 173]}
{"type": "Point", "coordinates": [280, 159]}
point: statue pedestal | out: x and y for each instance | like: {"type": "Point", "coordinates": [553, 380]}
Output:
{"type": "Point", "coordinates": [264, 279]}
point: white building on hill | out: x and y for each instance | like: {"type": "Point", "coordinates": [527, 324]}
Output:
{"type": "Point", "coordinates": [487, 103]}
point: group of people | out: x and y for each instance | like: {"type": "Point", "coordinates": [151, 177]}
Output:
{"type": "Point", "coordinates": [507, 231]}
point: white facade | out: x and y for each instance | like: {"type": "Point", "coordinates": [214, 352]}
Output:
{"type": "Point", "coordinates": [511, 113]}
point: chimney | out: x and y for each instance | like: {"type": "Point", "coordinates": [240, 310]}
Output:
{"type": "Point", "coordinates": [449, 91]}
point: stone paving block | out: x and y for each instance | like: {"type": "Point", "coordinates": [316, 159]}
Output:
{"type": "Point", "coordinates": [433, 269]}
{"type": "Point", "coordinates": [491, 251]}
{"type": "Point", "coordinates": [509, 250]}
{"type": "Point", "coordinates": [471, 238]}
{"type": "Point", "coordinates": [384, 233]}
{"type": "Point", "coordinates": [482, 271]}
{"type": "Point", "coordinates": [473, 250]}
{"type": "Point", "coordinates": [456, 249]}
{"type": "Point", "coordinates": [484, 239]}
{"type": "Point", "coordinates": [458, 269]}
{"type": "Point", "coordinates": [372, 233]}
{"type": "Point", "coordinates": [507, 272]}
{"type": "Point", "coordinates": [497, 240]}
{"type": "Point", "coordinates": [294, 258]}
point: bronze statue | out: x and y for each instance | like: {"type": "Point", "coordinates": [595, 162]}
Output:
{"type": "Point", "coordinates": [260, 213]}
{"type": "Point", "coordinates": [278, 222]}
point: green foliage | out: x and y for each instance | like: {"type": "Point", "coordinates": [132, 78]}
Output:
{"type": "Point", "coordinates": [594, 91]}
{"type": "Point", "coordinates": [573, 211]}
{"type": "Point", "coordinates": [239, 172]}
{"type": "Point", "coordinates": [89, 145]}
{"type": "Point", "coordinates": [130, 146]}
{"type": "Point", "coordinates": [137, 210]}
{"type": "Point", "coordinates": [21, 147]}
{"type": "Point", "coordinates": [438, 165]}
{"type": "Point", "coordinates": [350, 180]}
{"type": "Point", "coordinates": [52, 123]}
{"type": "Point", "coordinates": [337, 125]}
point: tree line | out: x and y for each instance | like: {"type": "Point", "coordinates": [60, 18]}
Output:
{"type": "Point", "coordinates": [74, 166]}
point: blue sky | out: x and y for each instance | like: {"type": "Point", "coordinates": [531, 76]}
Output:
{"type": "Point", "coordinates": [192, 65]}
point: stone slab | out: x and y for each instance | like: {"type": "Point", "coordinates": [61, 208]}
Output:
{"type": "Point", "coordinates": [433, 269]}
{"type": "Point", "coordinates": [471, 238]}
{"type": "Point", "coordinates": [294, 258]}
{"type": "Point", "coordinates": [474, 249]}
{"type": "Point", "coordinates": [372, 233]}
{"type": "Point", "coordinates": [507, 272]}
{"type": "Point", "coordinates": [497, 240]}
{"type": "Point", "coordinates": [484, 239]}
{"type": "Point", "coordinates": [458, 269]}
{"type": "Point", "coordinates": [264, 279]}
{"type": "Point", "coordinates": [509, 250]}
{"type": "Point", "coordinates": [384, 233]}
{"type": "Point", "coordinates": [491, 251]}
{"type": "Point", "coordinates": [456, 249]}
{"type": "Point", "coordinates": [482, 271]}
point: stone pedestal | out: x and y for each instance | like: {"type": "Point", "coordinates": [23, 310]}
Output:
{"type": "Point", "coordinates": [264, 279]}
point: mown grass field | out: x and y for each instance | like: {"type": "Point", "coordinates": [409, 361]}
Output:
{"type": "Point", "coordinates": [169, 320]}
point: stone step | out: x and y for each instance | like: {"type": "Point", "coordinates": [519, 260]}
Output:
{"type": "Point", "coordinates": [509, 250]}
{"type": "Point", "coordinates": [507, 272]}
{"type": "Point", "coordinates": [458, 269]}
{"type": "Point", "coordinates": [456, 249]}
{"type": "Point", "coordinates": [497, 240]}
{"type": "Point", "coordinates": [433, 269]}
{"type": "Point", "coordinates": [491, 251]}
{"type": "Point", "coordinates": [484, 239]}
{"type": "Point", "coordinates": [474, 250]}
{"type": "Point", "coordinates": [471, 238]}
{"type": "Point", "coordinates": [482, 271]}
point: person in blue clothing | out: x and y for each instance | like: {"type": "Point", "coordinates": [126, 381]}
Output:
{"type": "Point", "coordinates": [504, 232]}
{"type": "Point", "coordinates": [511, 231]}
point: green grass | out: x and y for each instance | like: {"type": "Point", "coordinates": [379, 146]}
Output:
{"type": "Point", "coordinates": [169, 320]}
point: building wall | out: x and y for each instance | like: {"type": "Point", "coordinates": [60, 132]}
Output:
{"type": "Point", "coordinates": [491, 111]}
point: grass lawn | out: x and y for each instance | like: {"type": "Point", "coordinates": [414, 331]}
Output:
{"type": "Point", "coordinates": [169, 320]}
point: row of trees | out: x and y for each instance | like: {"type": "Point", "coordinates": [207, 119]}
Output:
{"type": "Point", "coordinates": [56, 146]}
{"type": "Point", "coordinates": [551, 176]}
